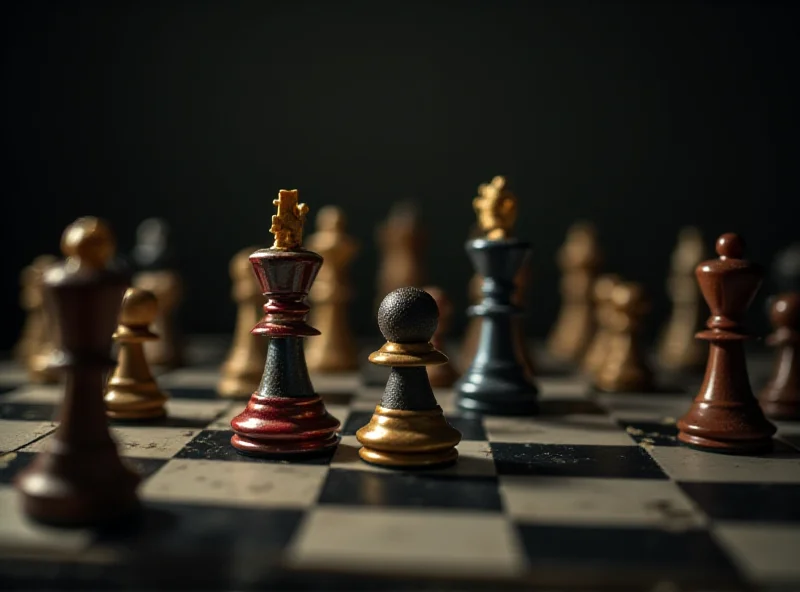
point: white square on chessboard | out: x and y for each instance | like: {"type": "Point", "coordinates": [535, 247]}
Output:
{"type": "Point", "coordinates": [190, 378]}
{"type": "Point", "coordinates": [686, 464]}
{"type": "Point", "coordinates": [347, 382]}
{"type": "Point", "coordinates": [228, 483]}
{"type": "Point", "coordinates": [562, 388]}
{"type": "Point", "coordinates": [474, 459]}
{"type": "Point", "coordinates": [16, 434]}
{"type": "Point", "coordinates": [36, 394]}
{"type": "Point", "coordinates": [407, 542]}
{"type": "Point", "coordinates": [768, 552]}
{"type": "Point", "coordinates": [598, 502]}
{"type": "Point", "coordinates": [194, 409]}
{"type": "Point", "coordinates": [12, 373]}
{"type": "Point", "coordinates": [140, 441]}
{"type": "Point", "coordinates": [645, 406]}
{"type": "Point", "coordinates": [598, 430]}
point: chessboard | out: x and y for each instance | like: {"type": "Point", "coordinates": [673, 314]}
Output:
{"type": "Point", "coordinates": [594, 493]}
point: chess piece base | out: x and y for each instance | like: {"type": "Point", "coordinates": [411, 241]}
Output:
{"type": "Point", "coordinates": [723, 446]}
{"type": "Point", "coordinates": [141, 402]}
{"type": "Point", "coordinates": [279, 426]}
{"type": "Point", "coordinates": [405, 438]}
{"type": "Point", "coordinates": [498, 392]}
{"type": "Point", "coordinates": [59, 490]}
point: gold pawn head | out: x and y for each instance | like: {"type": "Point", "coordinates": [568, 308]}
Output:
{"type": "Point", "coordinates": [139, 308]}
{"type": "Point", "coordinates": [88, 241]}
{"type": "Point", "coordinates": [287, 224]}
{"type": "Point", "coordinates": [331, 219]}
{"type": "Point", "coordinates": [496, 208]}
{"type": "Point", "coordinates": [630, 297]}
{"type": "Point", "coordinates": [603, 287]}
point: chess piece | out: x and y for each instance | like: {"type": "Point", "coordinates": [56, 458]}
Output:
{"type": "Point", "coordinates": [80, 480]}
{"type": "Point", "coordinates": [725, 416]}
{"type": "Point", "coordinates": [285, 416]}
{"type": "Point", "coordinates": [155, 262]}
{"type": "Point", "coordinates": [441, 375]}
{"type": "Point", "coordinates": [401, 240]}
{"type": "Point", "coordinates": [780, 397]}
{"type": "Point", "coordinates": [604, 312]}
{"type": "Point", "coordinates": [496, 381]}
{"type": "Point", "coordinates": [335, 349]}
{"type": "Point", "coordinates": [678, 349]}
{"type": "Point", "coordinates": [624, 369]}
{"type": "Point", "coordinates": [786, 270]}
{"type": "Point", "coordinates": [408, 428]}
{"type": "Point", "coordinates": [242, 369]}
{"type": "Point", "coordinates": [132, 392]}
{"type": "Point", "coordinates": [472, 335]}
{"type": "Point", "coordinates": [518, 334]}
{"type": "Point", "coordinates": [35, 349]}
{"type": "Point", "coordinates": [579, 260]}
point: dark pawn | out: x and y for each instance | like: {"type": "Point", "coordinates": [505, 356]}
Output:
{"type": "Point", "coordinates": [496, 381]}
{"type": "Point", "coordinates": [780, 398]}
{"type": "Point", "coordinates": [80, 480]}
{"type": "Point", "coordinates": [408, 428]}
{"type": "Point", "coordinates": [725, 416]}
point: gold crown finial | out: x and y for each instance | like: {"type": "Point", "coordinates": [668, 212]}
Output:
{"type": "Point", "coordinates": [496, 208]}
{"type": "Point", "coordinates": [287, 224]}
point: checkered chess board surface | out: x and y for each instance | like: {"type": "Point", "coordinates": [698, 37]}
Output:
{"type": "Point", "coordinates": [593, 493]}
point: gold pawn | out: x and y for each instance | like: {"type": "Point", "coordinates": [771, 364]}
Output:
{"type": "Point", "coordinates": [132, 392]}
{"type": "Point", "coordinates": [598, 348]}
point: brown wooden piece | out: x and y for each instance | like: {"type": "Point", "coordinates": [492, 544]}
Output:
{"type": "Point", "coordinates": [80, 479]}
{"type": "Point", "coordinates": [402, 241]}
{"type": "Point", "coordinates": [624, 369]}
{"type": "Point", "coordinates": [579, 260]}
{"type": "Point", "coordinates": [167, 287]}
{"type": "Point", "coordinates": [603, 312]}
{"type": "Point", "coordinates": [334, 350]}
{"type": "Point", "coordinates": [38, 342]}
{"type": "Point", "coordinates": [442, 375]}
{"type": "Point", "coordinates": [780, 397]}
{"type": "Point", "coordinates": [132, 392]}
{"type": "Point", "coordinates": [241, 372]}
{"type": "Point", "coordinates": [725, 416]}
{"type": "Point", "coordinates": [678, 349]}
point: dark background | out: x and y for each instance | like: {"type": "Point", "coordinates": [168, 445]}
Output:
{"type": "Point", "coordinates": [639, 117]}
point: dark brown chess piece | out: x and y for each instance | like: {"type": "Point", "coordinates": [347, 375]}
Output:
{"type": "Point", "coordinates": [725, 416]}
{"type": "Point", "coordinates": [80, 480]}
{"type": "Point", "coordinates": [780, 397]}
{"type": "Point", "coordinates": [624, 368]}
{"type": "Point", "coordinates": [579, 260]}
{"type": "Point", "coordinates": [132, 392]}
{"type": "Point", "coordinates": [441, 375]}
{"type": "Point", "coordinates": [334, 350]}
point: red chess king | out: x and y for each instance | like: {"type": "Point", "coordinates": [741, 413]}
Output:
{"type": "Point", "coordinates": [725, 416]}
{"type": "Point", "coordinates": [285, 417]}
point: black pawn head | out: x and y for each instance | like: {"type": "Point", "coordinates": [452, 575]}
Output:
{"type": "Point", "coordinates": [408, 315]}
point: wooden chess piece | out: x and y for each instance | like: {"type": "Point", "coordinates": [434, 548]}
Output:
{"type": "Point", "coordinates": [472, 335]}
{"type": "Point", "coordinates": [80, 480]}
{"type": "Point", "coordinates": [725, 416]}
{"type": "Point", "coordinates": [408, 428]}
{"type": "Point", "coordinates": [780, 397]}
{"type": "Point", "coordinates": [285, 417]}
{"type": "Point", "coordinates": [335, 349]}
{"type": "Point", "coordinates": [604, 313]}
{"type": "Point", "coordinates": [624, 369]}
{"type": "Point", "coordinates": [441, 375]}
{"type": "Point", "coordinates": [242, 369]}
{"type": "Point", "coordinates": [36, 348]}
{"type": "Point", "coordinates": [132, 392]}
{"type": "Point", "coordinates": [496, 381]}
{"type": "Point", "coordinates": [678, 349]}
{"type": "Point", "coordinates": [579, 260]}
{"type": "Point", "coordinates": [401, 240]}
{"type": "Point", "coordinates": [155, 262]}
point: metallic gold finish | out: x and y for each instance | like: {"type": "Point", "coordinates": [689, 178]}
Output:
{"type": "Point", "coordinates": [132, 392]}
{"type": "Point", "coordinates": [287, 224]}
{"type": "Point", "coordinates": [496, 208]}
{"type": "Point", "coordinates": [88, 242]}
{"type": "Point", "coordinates": [407, 354]}
{"type": "Point", "coordinates": [399, 438]}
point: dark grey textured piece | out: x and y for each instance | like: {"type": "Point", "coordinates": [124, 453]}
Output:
{"type": "Point", "coordinates": [285, 371]}
{"type": "Point", "coordinates": [496, 383]}
{"type": "Point", "coordinates": [409, 389]}
{"type": "Point", "coordinates": [408, 315]}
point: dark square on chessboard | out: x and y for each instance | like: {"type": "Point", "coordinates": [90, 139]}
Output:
{"type": "Point", "coordinates": [595, 492]}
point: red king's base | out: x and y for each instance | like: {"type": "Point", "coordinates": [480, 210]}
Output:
{"type": "Point", "coordinates": [280, 426]}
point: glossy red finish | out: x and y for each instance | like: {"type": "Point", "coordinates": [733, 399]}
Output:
{"type": "Point", "coordinates": [725, 416]}
{"type": "Point", "coordinates": [285, 278]}
{"type": "Point", "coordinates": [284, 425]}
